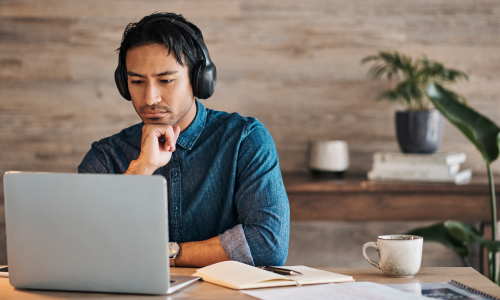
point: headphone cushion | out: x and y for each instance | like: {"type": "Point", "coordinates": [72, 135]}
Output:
{"type": "Point", "coordinates": [121, 82]}
{"type": "Point", "coordinates": [208, 80]}
{"type": "Point", "coordinates": [197, 81]}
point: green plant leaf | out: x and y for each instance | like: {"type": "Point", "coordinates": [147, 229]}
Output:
{"type": "Point", "coordinates": [481, 131]}
{"type": "Point", "coordinates": [456, 236]}
{"type": "Point", "coordinates": [411, 77]}
{"type": "Point", "coordinates": [463, 231]}
{"type": "Point", "coordinates": [439, 233]}
{"type": "Point", "coordinates": [438, 72]}
{"type": "Point", "coordinates": [491, 245]}
{"type": "Point", "coordinates": [468, 233]}
{"type": "Point", "coordinates": [369, 58]}
{"type": "Point", "coordinates": [389, 95]}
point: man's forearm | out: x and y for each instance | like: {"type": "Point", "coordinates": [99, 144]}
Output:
{"type": "Point", "coordinates": [200, 254]}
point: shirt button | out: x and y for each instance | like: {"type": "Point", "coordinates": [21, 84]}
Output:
{"type": "Point", "coordinates": [176, 208]}
{"type": "Point", "coordinates": [174, 173]}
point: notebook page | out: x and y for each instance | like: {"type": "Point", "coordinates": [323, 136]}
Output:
{"type": "Point", "coordinates": [311, 275]}
{"type": "Point", "coordinates": [236, 275]}
{"type": "Point", "coordinates": [338, 291]}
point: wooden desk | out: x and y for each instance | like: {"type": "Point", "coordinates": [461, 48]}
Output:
{"type": "Point", "coordinates": [204, 290]}
{"type": "Point", "coordinates": [357, 199]}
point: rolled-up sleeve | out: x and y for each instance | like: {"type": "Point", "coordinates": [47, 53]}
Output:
{"type": "Point", "coordinates": [235, 245]}
{"type": "Point", "coordinates": [261, 203]}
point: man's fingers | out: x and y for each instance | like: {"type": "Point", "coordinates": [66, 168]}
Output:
{"type": "Point", "coordinates": [171, 141]}
{"type": "Point", "coordinates": [167, 132]}
{"type": "Point", "coordinates": [170, 138]}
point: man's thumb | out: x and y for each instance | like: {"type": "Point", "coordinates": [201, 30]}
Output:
{"type": "Point", "coordinates": [177, 131]}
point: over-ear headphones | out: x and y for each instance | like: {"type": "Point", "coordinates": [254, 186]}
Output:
{"type": "Point", "coordinates": [204, 75]}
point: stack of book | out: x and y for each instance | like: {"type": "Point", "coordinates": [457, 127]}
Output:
{"type": "Point", "coordinates": [438, 167]}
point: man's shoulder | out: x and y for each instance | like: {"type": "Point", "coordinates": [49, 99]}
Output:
{"type": "Point", "coordinates": [128, 135]}
{"type": "Point", "coordinates": [232, 121]}
{"type": "Point", "coordinates": [114, 153]}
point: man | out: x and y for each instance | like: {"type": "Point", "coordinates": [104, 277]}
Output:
{"type": "Point", "coordinates": [226, 195]}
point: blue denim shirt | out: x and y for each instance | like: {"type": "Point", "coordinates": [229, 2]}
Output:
{"type": "Point", "coordinates": [223, 180]}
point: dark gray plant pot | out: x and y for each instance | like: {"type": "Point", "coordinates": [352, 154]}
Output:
{"type": "Point", "coordinates": [419, 131]}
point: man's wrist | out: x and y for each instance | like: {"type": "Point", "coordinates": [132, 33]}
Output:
{"type": "Point", "coordinates": [137, 167]}
{"type": "Point", "coordinates": [178, 260]}
{"type": "Point", "coordinates": [200, 254]}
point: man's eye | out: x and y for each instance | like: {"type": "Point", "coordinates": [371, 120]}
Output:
{"type": "Point", "coordinates": [136, 81]}
{"type": "Point", "coordinates": [166, 80]}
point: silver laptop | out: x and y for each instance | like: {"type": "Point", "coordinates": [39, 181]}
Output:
{"type": "Point", "coordinates": [89, 232]}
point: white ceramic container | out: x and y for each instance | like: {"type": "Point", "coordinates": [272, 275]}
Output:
{"type": "Point", "coordinates": [399, 255]}
{"type": "Point", "coordinates": [330, 156]}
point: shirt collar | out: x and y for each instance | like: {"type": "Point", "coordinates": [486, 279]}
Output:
{"type": "Point", "coordinates": [188, 137]}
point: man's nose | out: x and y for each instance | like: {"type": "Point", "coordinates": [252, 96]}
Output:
{"type": "Point", "coordinates": [152, 94]}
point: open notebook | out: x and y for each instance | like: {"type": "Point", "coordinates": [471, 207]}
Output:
{"type": "Point", "coordinates": [239, 276]}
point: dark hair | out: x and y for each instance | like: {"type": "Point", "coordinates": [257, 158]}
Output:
{"type": "Point", "coordinates": [156, 30]}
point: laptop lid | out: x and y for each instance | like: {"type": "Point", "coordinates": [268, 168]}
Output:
{"type": "Point", "coordinates": [87, 232]}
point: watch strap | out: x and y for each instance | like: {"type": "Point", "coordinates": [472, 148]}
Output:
{"type": "Point", "coordinates": [172, 261]}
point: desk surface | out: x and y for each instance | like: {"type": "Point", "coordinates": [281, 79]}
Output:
{"type": "Point", "coordinates": [204, 290]}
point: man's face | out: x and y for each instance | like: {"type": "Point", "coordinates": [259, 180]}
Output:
{"type": "Point", "coordinates": [159, 86]}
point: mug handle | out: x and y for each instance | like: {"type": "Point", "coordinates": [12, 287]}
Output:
{"type": "Point", "coordinates": [374, 245]}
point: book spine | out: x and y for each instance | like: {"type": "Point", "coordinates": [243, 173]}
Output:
{"type": "Point", "coordinates": [433, 169]}
{"type": "Point", "coordinates": [450, 159]}
{"type": "Point", "coordinates": [406, 176]}
{"type": "Point", "coordinates": [463, 177]}
{"type": "Point", "coordinates": [459, 178]}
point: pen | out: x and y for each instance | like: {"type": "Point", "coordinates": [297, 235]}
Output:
{"type": "Point", "coordinates": [281, 271]}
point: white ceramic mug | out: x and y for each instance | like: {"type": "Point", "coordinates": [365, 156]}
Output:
{"type": "Point", "coordinates": [399, 255]}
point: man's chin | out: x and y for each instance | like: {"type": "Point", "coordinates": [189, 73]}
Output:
{"type": "Point", "coordinates": [157, 121]}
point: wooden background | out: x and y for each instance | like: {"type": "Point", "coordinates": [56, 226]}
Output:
{"type": "Point", "coordinates": [292, 64]}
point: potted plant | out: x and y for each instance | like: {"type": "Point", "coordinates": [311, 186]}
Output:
{"type": "Point", "coordinates": [419, 128]}
{"type": "Point", "coordinates": [485, 135]}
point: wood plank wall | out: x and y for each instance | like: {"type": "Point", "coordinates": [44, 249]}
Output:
{"type": "Point", "coordinates": [292, 64]}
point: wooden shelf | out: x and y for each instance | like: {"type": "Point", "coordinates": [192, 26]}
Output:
{"type": "Point", "coordinates": [357, 199]}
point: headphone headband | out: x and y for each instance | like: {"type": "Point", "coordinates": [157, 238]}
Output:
{"type": "Point", "coordinates": [205, 72]}
{"type": "Point", "coordinates": [195, 37]}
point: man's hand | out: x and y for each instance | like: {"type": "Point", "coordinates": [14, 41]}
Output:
{"type": "Point", "coordinates": [157, 145]}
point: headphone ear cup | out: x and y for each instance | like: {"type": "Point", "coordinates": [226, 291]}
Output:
{"type": "Point", "coordinates": [196, 84]}
{"type": "Point", "coordinates": [211, 73]}
{"type": "Point", "coordinates": [208, 80]}
{"type": "Point", "coordinates": [121, 82]}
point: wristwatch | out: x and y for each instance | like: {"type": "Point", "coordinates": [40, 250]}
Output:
{"type": "Point", "coordinates": [173, 250]}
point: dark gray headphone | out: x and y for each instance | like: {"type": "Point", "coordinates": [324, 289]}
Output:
{"type": "Point", "coordinates": [204, 76]}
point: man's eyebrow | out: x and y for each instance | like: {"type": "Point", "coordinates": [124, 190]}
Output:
{"type": "Point", "coordinates": [166, 73]}
{"type": "Point", "coordinates": [130, 73]}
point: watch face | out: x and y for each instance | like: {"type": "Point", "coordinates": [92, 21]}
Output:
{"type": "Point", "coordinates": [173, 248]}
